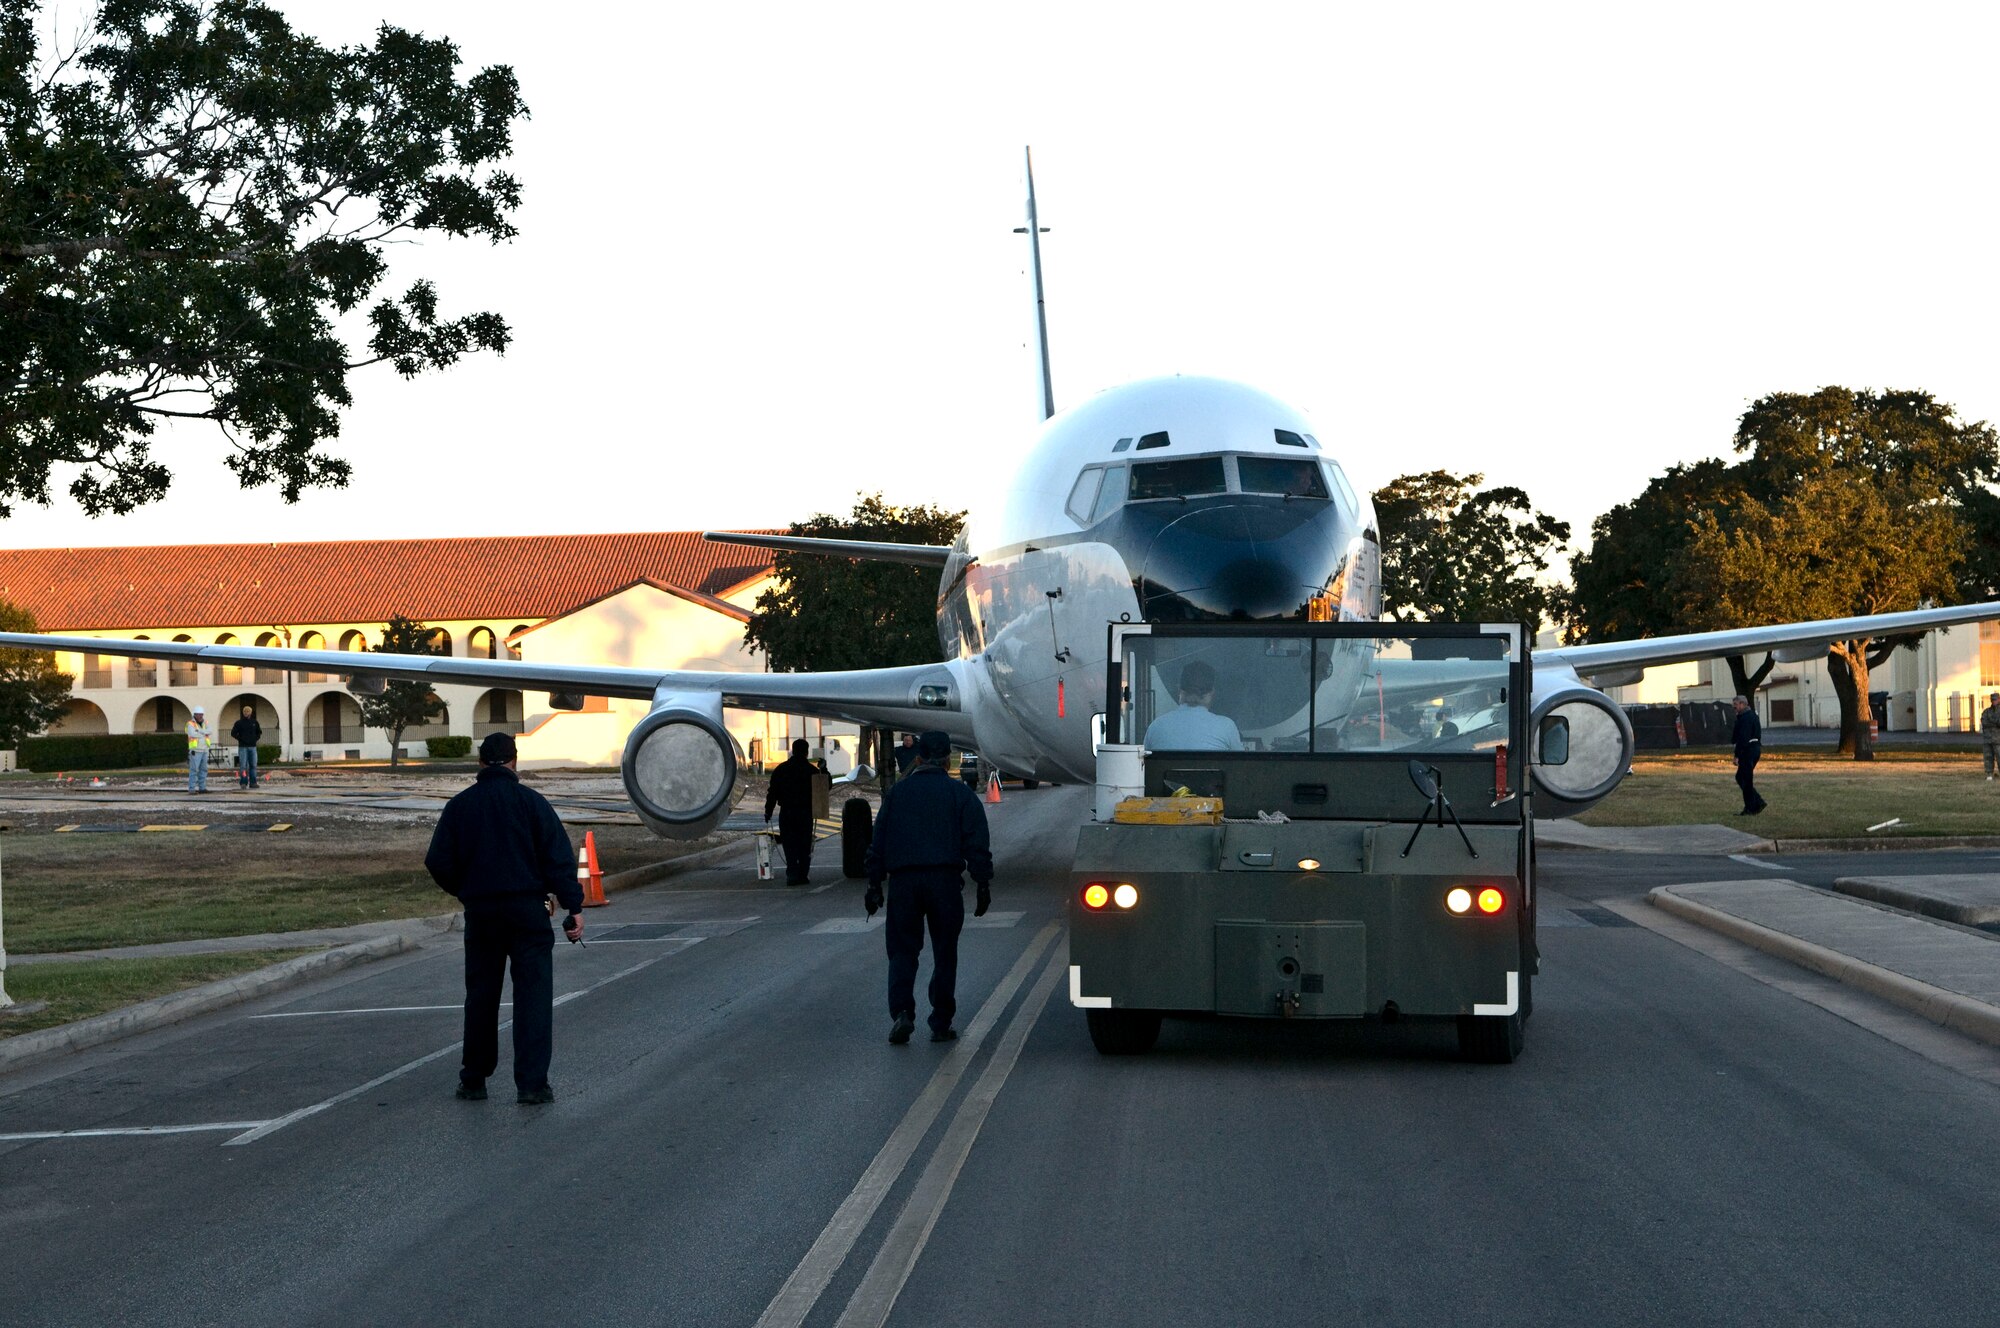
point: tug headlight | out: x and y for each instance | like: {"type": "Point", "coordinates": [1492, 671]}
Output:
{"type": "Point", "coordinates": [1125, 896]}
{"type": "Point", "coordinates": [1459, 900]}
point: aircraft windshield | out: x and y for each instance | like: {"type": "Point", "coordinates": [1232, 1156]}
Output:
{"type": "Point", "coordinates": [1282, 693]}
{"type": "Point", "coordinates": [1193, 477]}
{"type": "Point", "coordinates": [1294, 479]}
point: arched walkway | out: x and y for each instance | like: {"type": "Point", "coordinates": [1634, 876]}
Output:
{"type": "Point", "coordinates": [183, 672]}
{"type": "Point", "coordinates": [142, 672]}
{"type": "Point", "coordinates": [479, 644]}
{"type": "Point", "coordinates": [162, 714]}
{"type": "Point", "coordinates": [440, 727]}
{"type": "Point", "coordinates": [268, 641]}
{"type": "Point", "coordinates": [312, 641]}
{"type": "Point", "coordinates": [497, 711]}
{"type": "Point", "coordinates": [228, 675]}
{"type": "Point", "coordinates": [332, 720]}
{"type": "Point", "coordinates": [265, 713]}
{"type": "Point", "coordinates": [80, 717]}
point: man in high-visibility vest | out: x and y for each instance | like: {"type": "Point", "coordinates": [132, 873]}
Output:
{"type": "Point", "coordinates": [201, 741]}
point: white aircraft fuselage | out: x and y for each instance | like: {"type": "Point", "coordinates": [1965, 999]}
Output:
{"type": "Point", "coordinates": [1166, 500]}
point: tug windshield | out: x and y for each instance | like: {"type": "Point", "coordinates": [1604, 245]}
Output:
{"type": "Point", "coordinates": [1280, 693]}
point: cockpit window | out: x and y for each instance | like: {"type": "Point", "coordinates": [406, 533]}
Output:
{"type": "Point", "coordinates": [1346, 490]}
{"type": "Point", "coordinates": [1147, 442]}
{"type": "Point", "coordinates": [1189, 478]}
{"type": "Point", "coordinates": [1084, 496]}
{"type": "Point", "coordinates": [1294, 479]}
{"type": "Point", "coordinates": [1286, 438]}
{"type": "Point", "coordinates": [1112, 495]}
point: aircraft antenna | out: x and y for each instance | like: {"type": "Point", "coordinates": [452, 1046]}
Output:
{"type": "Point", "coordinates": [1034, 232]}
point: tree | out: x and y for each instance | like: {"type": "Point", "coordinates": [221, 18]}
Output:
{"type": "Point", "coordinates": [32, 689]}
{"type": "Point", "coordinates": [824, 613]}
{"type": "Point", "coordinates": [1623, 585]}
{"type": "Point", "coordinates": [190, 194]}
{"type": "Point", "coordinates": [1840, 544]}
{"type": "Point", "coordinates": [1452, 551]}
{"type": "Point", "coordinates": [404, 702]}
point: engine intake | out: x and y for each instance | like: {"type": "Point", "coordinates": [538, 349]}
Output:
{"type": "Point", "coordinates": [1600, 749]}
{"type": "Point", "coordinates": [680, 769]}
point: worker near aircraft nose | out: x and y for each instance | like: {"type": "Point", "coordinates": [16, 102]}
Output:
{"type": "Point", "coordinates": [1191, 726]}
{"type": "Point", "coordinates": [930, 831]}
{"type": "Point", "coordinates": [501, 850]}
{"type": "Point", "coordinates": [1749, 738]}
{"type": "Point", "coordinates": [791, 795]}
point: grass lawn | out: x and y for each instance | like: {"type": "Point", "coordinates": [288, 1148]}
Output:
{"type": "Point", "coordinates": [1813, 795]}
{"type": "Point", "coordinates": [80, 990]}
{"type": "Point", "coordinates": [89, 891]}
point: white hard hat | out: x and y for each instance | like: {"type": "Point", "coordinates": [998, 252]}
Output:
{"type": "Point", "coordinates": [199, 711]}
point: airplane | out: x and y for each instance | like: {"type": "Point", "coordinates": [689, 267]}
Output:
{"type": "Point", "coordinates": [1172, 499]}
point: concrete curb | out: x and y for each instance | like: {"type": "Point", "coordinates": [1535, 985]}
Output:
{"type": "Point", "coordinates": [1875, 890]}
{"type": "Point", "coordinates": [28, 1048]}
{"type": "Point", "coordinates": [1959, 1013]}
{"type": "Point", "coordinates": [1905, 844]}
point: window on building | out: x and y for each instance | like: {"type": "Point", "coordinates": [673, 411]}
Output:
{"type": "Point", "coordinates": [514, 646]}
{"type": "Point", "coordinates": [268, 641]}
{"type": "Point", "coordinates": [440, 642]}
{"type": "Point", "coordinates": [164, 719]}
{"type": "Point", "coordinates": [181, 672]}
{"type": "Point", "coordinates": [96, 672]}
{"type": "Point", "coordinates": [352, 639]}
{"type": "Point", "coordinates": [228, 675]}
{"type": "Point", "coordinates": [142, 672]}
{"type": "Point", "coordinates": [312, 641]}
{"type": "Point", "coordinates": [1989, 654]}
{"type": "Point", "coordinates": [479, 645]}
{"type": "Point", "coordinates": [1782, 712]}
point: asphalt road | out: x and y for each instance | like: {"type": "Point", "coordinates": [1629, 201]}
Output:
{"type": "Point", "coordinates": [735, 1143]}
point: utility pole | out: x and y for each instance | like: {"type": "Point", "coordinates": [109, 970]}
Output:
{"type": "Point", "coordinates": [285, 748]}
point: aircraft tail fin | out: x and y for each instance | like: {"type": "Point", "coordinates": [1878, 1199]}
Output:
{"type": "Point", "coordinates": [1034, 231]}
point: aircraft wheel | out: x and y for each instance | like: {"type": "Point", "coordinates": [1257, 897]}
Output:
{"type": "Point", "coordinates": [1031, 783]}
{"type": "Point", "coordinates": [1123, 1032]}
{"type": "Point", "coordinates": [857, 828]}
{"type": "Point", "coordinates": [1490, 1039]}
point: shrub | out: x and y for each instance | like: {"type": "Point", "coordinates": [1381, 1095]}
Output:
{"type": "Point", "coordinates": [102, 751]}
{"type": "Point", "coordinates": [267, 752]}
{"type": "Point", "coordinates": [455, 745]}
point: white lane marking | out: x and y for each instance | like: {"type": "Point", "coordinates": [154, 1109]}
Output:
{"type": "Point", "coordinates": [994, 918]}
{"type": "Point", "coordinates": [870, 1305]}
{"type": "Point", "coordinates": [111, 1132]}
{"type": "Point", "coordinates": [1513, 1001]}
{"type": "Point", "coordinates": [271, 1127]}
{"type": "Point", "coordinates": [845, 926]}
{"type": "Point", "coordinates": [1076, 996]}
{"type": "Point", "coordinates": [1749, 861]}
{"type": "Point", "coordinates": [379, 1009]}
{"type": "Point", "coordinates": [801, 1291]}
{"type": "Point", "coordinates": [819, 889]}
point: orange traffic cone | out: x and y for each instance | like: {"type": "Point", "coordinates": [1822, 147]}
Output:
{"type": "Point", "coordinates": [993, 790]}
{"type": "Point", "coordinates": [588, 877]}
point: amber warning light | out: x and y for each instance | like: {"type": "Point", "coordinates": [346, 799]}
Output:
{"type": "Point", "coordinates": [1095, 896]}
{"type": "Point", "coordinates": [1491, 900]}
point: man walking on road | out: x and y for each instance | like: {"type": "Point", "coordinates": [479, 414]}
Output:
{"type": "Point", "coordinates": [791, 794]}
{"type": "Point", "coordinates": [247, 732]}
{"type": "Point", "coordinates": [201, 741]}
{"type": "Point", "coordinates": [1989, 733]}
{"type": "Point", "coordinates": [1749, 738]}
{"type": "Point", "coordinates": [501, 849]}
{"type": "Point", "coordinates": [930, 830]}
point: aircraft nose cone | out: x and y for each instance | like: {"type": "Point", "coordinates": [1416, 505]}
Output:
{"type": "Point", "coordinates": [1242, 560]}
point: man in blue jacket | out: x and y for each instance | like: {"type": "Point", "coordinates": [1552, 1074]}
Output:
{"type": "Point", "coordinates": [930, 830]}
{"type": "Point", "coordinates": [1749, 738]}
{"type": "Point", "coordinates": [501, 850]}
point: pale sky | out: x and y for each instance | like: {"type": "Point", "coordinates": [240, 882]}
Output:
{"type": "Point", "coordinates": [766, 255]}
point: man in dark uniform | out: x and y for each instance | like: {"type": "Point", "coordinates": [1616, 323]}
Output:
{"type": "Point", "coordinates": [1749, 738]}
{"type": "Point", "coordinates": [906, 755]}
{"type": "Point", "coordinates": [791, 794]}
{"type": "Point", "coordinates": [931, 828]}
{"type": "Point", "coordinates": [501, 849]}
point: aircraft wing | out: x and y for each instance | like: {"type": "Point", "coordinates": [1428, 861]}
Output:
{"type": "Point", "coordinates": [920, 555]}
{"type": "Point", "coordinates": [1790, 641]}
{"type": "Point", "coordinates": [922, 696]}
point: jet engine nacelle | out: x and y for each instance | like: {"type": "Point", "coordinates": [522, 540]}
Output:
{"type": "Point", "coordinates": [680, 769]}
{"type": "Point", "coordinates": [1600, 747]}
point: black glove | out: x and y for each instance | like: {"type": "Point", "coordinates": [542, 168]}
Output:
{"type": "Point", "coordinates": [872, 900]}
{"type": "Point", "coordinates": [984, 899]}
